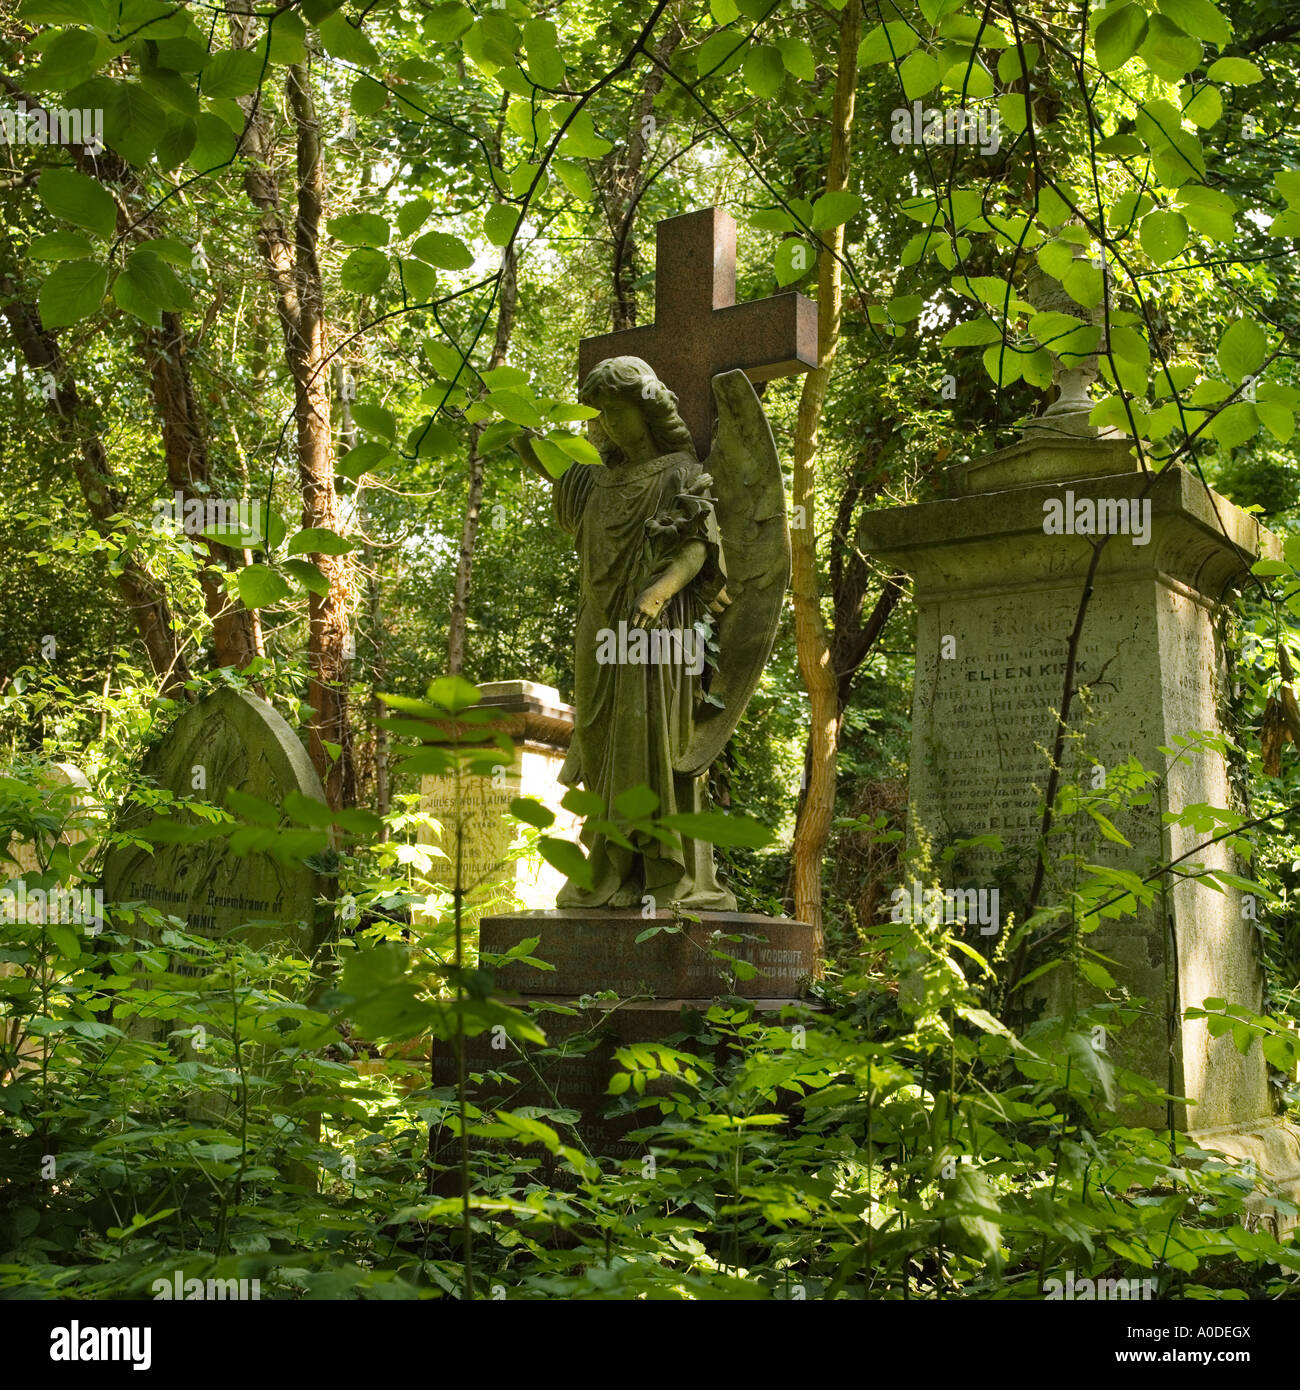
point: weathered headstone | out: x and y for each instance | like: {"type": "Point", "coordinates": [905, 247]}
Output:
{"type": "Point", "coordinates": [540, 727]}
{"type": "Point", "coordinates": [229, 740]}
{"type": "Point", "coordinates": [998, 569]}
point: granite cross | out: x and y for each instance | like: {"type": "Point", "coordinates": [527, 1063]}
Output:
{"type": "Point", "coordinates": [700, 330]}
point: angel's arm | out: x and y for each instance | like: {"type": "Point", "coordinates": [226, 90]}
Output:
{"type": "Point", "coordinates": [683, 567]}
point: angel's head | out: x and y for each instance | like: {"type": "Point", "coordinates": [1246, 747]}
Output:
{"type": "Point", "coordinates": [638, 413]}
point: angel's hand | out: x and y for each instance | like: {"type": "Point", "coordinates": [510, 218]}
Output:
{"type": "Point", "coordinates": [648, 607]}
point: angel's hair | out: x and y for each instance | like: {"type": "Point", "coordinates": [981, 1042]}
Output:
{"type": "Point", "coordinates": [632, 380]}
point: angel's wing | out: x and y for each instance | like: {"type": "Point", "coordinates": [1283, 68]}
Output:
{"type": "Point", "coordinates": [750, 502]}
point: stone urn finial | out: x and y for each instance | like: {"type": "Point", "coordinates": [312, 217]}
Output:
{"type": "Point", "coordinates": [1072, 373]}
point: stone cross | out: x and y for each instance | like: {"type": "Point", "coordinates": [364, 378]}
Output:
{"type": "Point", "coordinates": [700, 330]}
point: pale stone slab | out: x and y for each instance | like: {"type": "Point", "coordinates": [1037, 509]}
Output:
{"type": "Point", "coordinates": [492, 871]}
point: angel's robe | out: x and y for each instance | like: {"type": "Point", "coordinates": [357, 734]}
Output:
{"type": "Point", "coordinates": [632, 720]}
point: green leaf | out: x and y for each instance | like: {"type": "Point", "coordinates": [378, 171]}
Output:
{"type": "Point", "coordinates": [453, 693]}
{"type": "Point", "coordinates": [419, 281]}
{"type": "Point", "coordinates": [1163, 235]}
{"type": "Point", "coordinates": [1208, 210]}
{"type": "Point", "coordinates": [515, 408]}
{"type": "Point", "coordinates": [1121, 31]}
{"type": "Point", "coordinates": [582, 802]}
{"type": "Point", "coordinates": [1132, 358]}
{"type": "Point", "coordinates": [1242, 349]}
{"type": "Point", "coordinates": [532, 812]}
{"type": "Point", "coordinates": [636, 803]}
{"type": "Point", "coordinates": [442, 249]}
{"type": "Point", "coordinates": [133, 122]}
{"type": "Point", "coordinates": [720, 54]}
{"type": "Point", "coordinates": [905, 307]}
{"type": "Point", "coordinates": [1083, 283]}
{"type": "Point", "coordinates": [545, 65]}
{"type": "Point", "coordinates": [764, 71]}
{"type": "Point", "coordinates": [75, 198]}
{"type": "Point", "coordinates": [798, 58]}
{"type": "Point", "coordinates": [794, 259]}
{"type": "Point", "coordinates": [1168, 51]}
{"type": "Point", "coordinates": [1199, 18]}
{"type": "Point", "coordinates": [232, 73]}
{"type": "Point", "coordinates": [1203, 104]}
{"type": "Point", "coordinates": [580, 450]}
{"type": "Point", "coordinates": [364, 271]}
{"type": "Point", "coordinates": [367, 96]}
{"type": "Point", "coordinates": [170, 250]}
{"type": "Point", "coordinates": [341, 40]}
{"type": "Point", "coordinates": [1239, 72]}
{"type": "Point", "coordinates": [147, 287]}
{"type": "Point", "coordinates": [919, 74]}
{"type": "Point", "coordinates": [712, 827]}
{"type": "Point", "coordinates": [72, 291]}
{"type": "Point", "coordinates": [971, 78]}
{"type": "Point", "coordinates": [308, 575]}
{"type": "Point", "coordinates": [568, 859]}
{"type": "Point", "coordinates": [1009, 65]}
{"type": "Point", "coordinates": [363, 459]}
{"type": "Point", "coordinates": [316, 540]}
{"type": "Point", "coordinates": [1003, 364]}
{"type": "Point", "coordinates": [69, 58]}
{"type": "Point", "coordinates": [1234, 425]}
{"type": "Point", "coordinates": [448, 22]}
{"type": "Point", "coordinates": [375, 419]}
{"type": "Point", "coordinates": [359, 229]}
{"type": "Point", "coordinates": [499, 223]}
{"type": "Point", "coordinates": [175, 143]}
{"type": "Point", "coordinates": [286, 35]}
{"type": "Point", "coordinates": [974, 333]}
{"type": "Point", "coordinates": [413, 215]}
{"type": "Point", "coordinates": [581, 140]}
{"type": "Point", "coordinates": [214, 144]}
{"type": "Point", "coordinates": [887, 43]}
{"type": "Point", "coordinates": [573, 177]}
{"type": "Point", "coordinates": [59, 246]}
{"type": "Point", "coordinates": [260, 586]}
{"type": "Point", "coordinates": [552, 457]}
{"type": "Point", "coordinates": [833, 208]}
{"type": "Point", "coordinates": [430, 440]}
{"type": "Point", "coordinates": [1277, 419]}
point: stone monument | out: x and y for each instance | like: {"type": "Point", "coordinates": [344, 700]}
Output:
{"type": "Point", "coordinates": [541, 727]}
{"type": "Point", "coordinates": [683, 569]}
{"type": "Point", "coordinates": [999, 568]}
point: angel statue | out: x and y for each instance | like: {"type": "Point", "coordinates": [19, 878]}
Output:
{"type": "Point", "coordinates": [673, 552]}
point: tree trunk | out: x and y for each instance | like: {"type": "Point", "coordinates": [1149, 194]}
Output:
{"type": "Point", "coordinates": [813, 826]}
{"type": "Point", "coordinates": [144, 598]}
{"type": "Point", "coordinates": [295, 276]}
{"type": "Point", "coordinates": [508, 296]}
{"type": "Point", "coordinates": [307, 350]}
{"type": "Point", "coordinates": [236, 630]}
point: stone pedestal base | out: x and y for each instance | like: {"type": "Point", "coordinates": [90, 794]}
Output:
{"type": "Point", "coordinates": [664, 983]}
{"type": "Point", "coordinates": [594, 949]}
{"type": "Point", "coordinates": [1272, 1145]}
